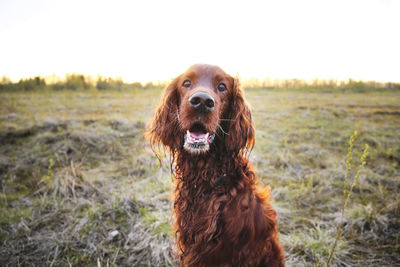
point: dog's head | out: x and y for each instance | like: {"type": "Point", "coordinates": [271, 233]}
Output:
{"type": "Point", "coordinates": [202, 108]}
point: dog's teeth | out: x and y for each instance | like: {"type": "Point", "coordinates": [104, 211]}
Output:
{"type": "Point", "coordinates": [189, 136]}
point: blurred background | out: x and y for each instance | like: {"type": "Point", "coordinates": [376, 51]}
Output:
{"type": "Point", "coordinates": [79, 80]}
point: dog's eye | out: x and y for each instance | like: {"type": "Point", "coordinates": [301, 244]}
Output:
{"type": "Point", "coordinates": [221, 87]}
{"type": "Point", "coordinates": [187, 84]}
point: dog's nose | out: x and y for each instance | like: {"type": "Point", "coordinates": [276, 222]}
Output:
{"type": "Point", "coordinates": [202, 102]}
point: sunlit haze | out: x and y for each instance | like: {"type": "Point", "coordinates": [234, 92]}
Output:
{"type": "Point", "coordinates": [157, 40]}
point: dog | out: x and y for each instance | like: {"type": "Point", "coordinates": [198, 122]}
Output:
{"type": "Point", "coordinates": [223, 218]}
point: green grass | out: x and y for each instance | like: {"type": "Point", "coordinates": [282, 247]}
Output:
{"type": "Point", "coordinates": [106, 199]}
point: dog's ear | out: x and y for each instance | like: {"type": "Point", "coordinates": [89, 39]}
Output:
{"type": "Point", "coordinates": [163, 128]}
{"type": "Point", "coordinates": [240, 134]}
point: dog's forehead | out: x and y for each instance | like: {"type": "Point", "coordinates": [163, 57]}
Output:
{"type": "Point", "coordinates": [206, 72]}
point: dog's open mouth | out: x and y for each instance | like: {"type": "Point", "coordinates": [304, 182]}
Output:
{"type": "Point", "coordinates": [197, 139]}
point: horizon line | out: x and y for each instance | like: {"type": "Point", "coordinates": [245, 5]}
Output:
{"type": "Point", "coordinates": [54, 78]}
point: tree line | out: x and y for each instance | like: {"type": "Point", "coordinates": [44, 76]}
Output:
{"type": "Point", "coordinates": [81, 82]}
{"type": "Point", "coordinates": [72, 82]}
{"type": "Point", "coordinates": [320, 84]}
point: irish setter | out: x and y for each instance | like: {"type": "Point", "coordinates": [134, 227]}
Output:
{"type": "Point", "coordinates": [222, 217]}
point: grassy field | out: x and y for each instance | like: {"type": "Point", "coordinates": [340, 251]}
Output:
{"type": "Point", "coordinates": [80, 186]}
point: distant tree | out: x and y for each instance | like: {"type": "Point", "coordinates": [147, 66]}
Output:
{"type": "Point", "coordinates": [136, 85]}
{"type": "Point", "coordinates": [103, 83]}
{"type": "Point", "coordinates": [148, 85]}
{"type": "Point", "coordinates": [356, 85]}
{"type": "Point", "coordinates": [393, 86]}
{"type": "Point", "coordinates": [332, 83]}
{"type": "Point", "coordinates": [117, 83]}
{"type": "Point", "coordinates": [5, 80]}
{"type": "Point", "coordinates": [266, 82]}
{"type": "Point", "coordinates": [277, 83]}
{"type": "Point", "coordinates": [58, 86]}
{"type": "Point", "coordinates": [31, 84]}
{"type": "Point", "coordinates": [5, 83]}
{"type": "Point", "coordinates": [109, 83]}
{"type": "Point", "coordinates": [75, 81]}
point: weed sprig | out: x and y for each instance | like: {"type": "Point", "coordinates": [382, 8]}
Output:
{"type": "Point", "coordinates": [347, 189]}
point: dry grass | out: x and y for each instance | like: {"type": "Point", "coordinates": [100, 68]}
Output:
{"type": "Point", "coordinates": [80, 186]}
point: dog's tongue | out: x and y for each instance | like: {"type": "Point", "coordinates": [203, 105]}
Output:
{"type": "Point", "coordinates": [197, 135]}
{"type": "Point", "coordinates": [198, 138]}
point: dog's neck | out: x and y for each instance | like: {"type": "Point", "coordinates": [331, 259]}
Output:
{"type": "Point", "coordinates": [203, 174]}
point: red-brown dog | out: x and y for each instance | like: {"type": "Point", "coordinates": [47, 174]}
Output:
{"type": "Point", "coordinates": [222, 219]}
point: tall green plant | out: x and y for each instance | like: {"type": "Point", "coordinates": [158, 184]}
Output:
{"type": "Point", "coordinates": [348, 189]}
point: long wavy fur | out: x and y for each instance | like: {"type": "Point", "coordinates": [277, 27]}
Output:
{"type": "Point", "coordinates": [223, 218]}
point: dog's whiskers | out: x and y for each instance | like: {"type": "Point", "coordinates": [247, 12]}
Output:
{"type": "Point", "coordinates": [222, 130]}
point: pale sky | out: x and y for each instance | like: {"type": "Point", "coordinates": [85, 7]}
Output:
{"type": "Point", "coordinates": [157, 40]}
